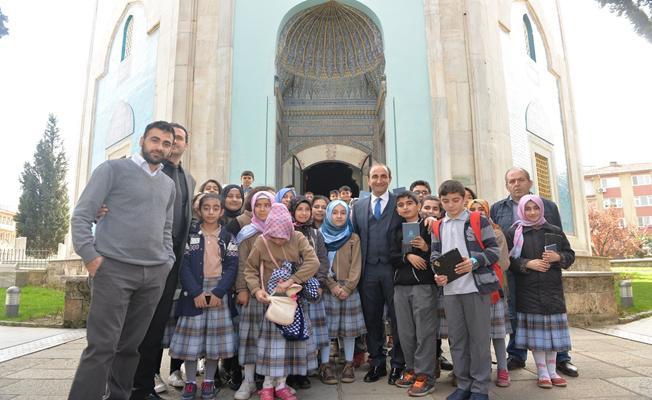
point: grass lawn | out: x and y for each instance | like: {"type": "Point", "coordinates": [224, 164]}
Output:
{"type": "Point", "coordinates": [37, 303]}
{"type": "Point", "coordinates": [641, 285]}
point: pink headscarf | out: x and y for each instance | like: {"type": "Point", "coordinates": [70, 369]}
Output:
{"type": "Point", "coordinates": [523, 221]}
{"type": "Point", "coordinates": [279, 223]}
{"type": "Point", "coordinates": [258, 223]}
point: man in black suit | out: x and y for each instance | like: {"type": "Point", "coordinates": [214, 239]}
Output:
{"type": "Point", "coordinates": [503, 212]}
{"type": "Point", "coordinates": [375, 219]}
{"type": "Point", "coordinates": [150, 348]}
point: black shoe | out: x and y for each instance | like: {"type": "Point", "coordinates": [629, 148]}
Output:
{"type": "Point", "coordinates": [302, 382]}
{"type": "Point", "coordinates": [375, 373]}
{"type": "Point", "coordinates": [394, 375]}
{"type": "Point", "coordinates": [567, 368]}
{"type": "Point", "coordinates": [153, 396]}
{"type": "Point", "coordinates": [445, 364]}
{"type": "Point", "coordinates": [291, 381]}
{"type": "Point", "coordinates": [514, 363]}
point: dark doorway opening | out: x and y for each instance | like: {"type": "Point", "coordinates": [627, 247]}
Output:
{"type": "Point", "coordinates": [323, 177]}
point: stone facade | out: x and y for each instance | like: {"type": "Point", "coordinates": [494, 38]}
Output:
{"type": "Point", "coordinates": [77, 302]}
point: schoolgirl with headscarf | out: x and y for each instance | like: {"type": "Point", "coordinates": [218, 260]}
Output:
{"type": "Point", "coordinates": [233, 196]}
{"type": "Point", "coordinates": [342, 300]}
{"type": "Point", "coordinates": [278, 357]}
{"type": "Point", "coordinates": [538, 252]}
{"type": "Point", "coordinates": [251, 311]}
{"type": "Point", "coordinates": [301, 210]}
{"type": "Point", "coordinates": [285, 196]}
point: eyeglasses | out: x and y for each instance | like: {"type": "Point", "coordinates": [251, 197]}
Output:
{"type": "Point", "coordinates": [420, 192]}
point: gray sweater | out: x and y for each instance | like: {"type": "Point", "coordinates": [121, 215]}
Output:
{"type": "Point", "coordinates": [138, 227]}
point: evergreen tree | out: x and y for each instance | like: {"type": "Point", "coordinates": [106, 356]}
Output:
{"type": "Point", "coordinates": [43, 212]}
{"type": "Point", "coordinates": [3, 29]}
{"type": "Point", "coordinates": [639, 13]}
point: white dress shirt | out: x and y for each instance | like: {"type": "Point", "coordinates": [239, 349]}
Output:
{"type": "Point", "coordinates": [384, 199]}
{"type": "Point", "coordinates": [453, 236]}
{"type": "Point", "coordinates": [142, 163]}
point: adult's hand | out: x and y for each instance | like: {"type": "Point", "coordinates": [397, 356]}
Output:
{"type": "Point", "coordinates": [417, 262]}
{"type": "Point", "coordinates": [93, 265]}
{"type": "Point", "coordinates": [101, 212]}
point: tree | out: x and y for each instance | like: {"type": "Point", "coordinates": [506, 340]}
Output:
{"type": "Point", "coordinates": [43, 212]}
{"type": "Point", "coordinates": [3, 29]}
{"type": "Point", "coordinates": [639, 13]}
{"type": "Point", "coordinates": [608, 238]}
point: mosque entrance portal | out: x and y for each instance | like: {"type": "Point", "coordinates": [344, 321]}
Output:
{"type": "Point", "coordinates": [323, 177]}
{"type": "Point", "coordinates": [330, 91]}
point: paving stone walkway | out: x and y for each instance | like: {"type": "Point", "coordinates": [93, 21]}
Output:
{"type": "Point", "coordinates": [610, 368]}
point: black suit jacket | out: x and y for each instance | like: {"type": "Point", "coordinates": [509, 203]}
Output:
{"type": "Point", "coordinates": [361, 215]}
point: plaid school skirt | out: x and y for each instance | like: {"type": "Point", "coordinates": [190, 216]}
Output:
{"type": "Point", "coordinates": [442, 328]}
{"type": "Point", "coordinates": [500, 325]}
{"type": "Point", "coordinates": [344, 317]}
{"type": "Point", "coordinates": [539, 332]}
{"type": "Point", "coordinates": [209, 334]}
{"type": "Point", "coordinates": [251, 318]}
{"type": "Point", "coordinates": [317, 315]}
{"type": "Point", "coordinates": [278, 357]}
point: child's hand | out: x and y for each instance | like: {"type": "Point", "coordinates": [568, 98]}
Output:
{"type": "Point", "coordinates": [343, 294]}
{"type": "Point", "coordinates": [262, 296]}
{"type": "Point", "coordinates": [417, 262]}
{"type": "Point", "coordinates": [464, 267]}
{"type": "Point", "coordinates": [243, 298]}
{"type": "Point", "coordinates": [335, 291]}
{"type": "Point", "coordinates": [215, 301]}
{"type": "Point", "coordinates": [428, 223]}
{"type": "Point", "coordinates": [200, 301]}
{"type": "Point", "coordinates": [551, 256]}
{"type": "Point", "coordinates": [538, 265]}
{"type": "Point", "coordinates": [441, 280]}
{"type": "Point", "coordinates": [419, 243]}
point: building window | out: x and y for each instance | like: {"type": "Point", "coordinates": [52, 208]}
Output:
{"type": "Point", "coordinates": [543, 176]}
{"type": "Point", "coordinates": [642, 201]}
{"type": "Point", "coordinates": [612, 182]}
{"type": "Point", "coordinates": [644, 221]}
{"type": "Point", "coordinates": [589, 190]}
{"type": "Point", "coordinates": [638, 180]}
{"type": "Point", "coordinates": [127, 34]}
{"type": "Point", "coordinates": [529, 38]}
{"type": "Point", "coordinates": [616, 202]}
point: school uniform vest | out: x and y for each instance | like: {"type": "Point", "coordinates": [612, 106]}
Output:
{"type": "Point", "coordinates": [378, 246]}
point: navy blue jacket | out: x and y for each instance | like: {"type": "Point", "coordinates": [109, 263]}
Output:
{"type": "Point", "coordinates": [191, 273]}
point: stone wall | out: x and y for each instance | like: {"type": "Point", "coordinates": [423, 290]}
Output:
{"type": "Point", "coordinates": [7, 275]}
{"type": "Point", "coordinates": [60, 270]}
{"type": "Point", "coordinates": [590, 298]}
{"type": "Point", "coordinates": [30, 277]}
{"type": "Point", "coordinates": [77, 302]}
{"type": "Point", "coordinates": [632, 263]}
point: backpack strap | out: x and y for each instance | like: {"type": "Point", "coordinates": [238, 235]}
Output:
{"type": "Point", "coordinates": [436, 228]}
{"type": "Point", "coordinates": [476, 227]}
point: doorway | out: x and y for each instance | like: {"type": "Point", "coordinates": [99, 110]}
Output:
{"type": "Point", "coordinates": [323, 177]}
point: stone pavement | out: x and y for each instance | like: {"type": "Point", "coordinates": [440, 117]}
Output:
{"type": "Point", "coordinates": [610, 368]}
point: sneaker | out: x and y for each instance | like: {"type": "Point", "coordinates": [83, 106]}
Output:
{"type": "Point", "coordinates": [265, 393]}
{"type": "Point", "coordinates": [283, 394]}
{"type": "Point", "coordinates": [189, 391]}
{"type": "Point", "coordinates": [406, 380]}
{"type": "Point", "coordinates": [348, 373]}
{"type": "Point", "coordinates": [502, 378]}
{"type": "Point", "coordinates": [558, 381]}
{"type": "Point", "coordinates": [245, 390]}
{"type": "Point", "coordinates": [207, 390]}
{"type": "Point", "coordinates": [326, 374]}
{"type": "Point", "coordinates": [423, 385]}
{"type": "Point", "coordinates": [176, 380]}
{"type": "Point", "coordinates": [159, 385]}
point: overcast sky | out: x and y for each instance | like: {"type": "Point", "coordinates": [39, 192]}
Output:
{"type": "Point", "coordinates": [43, 70]}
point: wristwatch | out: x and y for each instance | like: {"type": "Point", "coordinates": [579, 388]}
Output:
{"type": "Point", "coordinates": [474, 261]}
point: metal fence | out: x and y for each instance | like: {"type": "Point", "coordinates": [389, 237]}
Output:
{"type": "Point", "coordinates": [26, 259]}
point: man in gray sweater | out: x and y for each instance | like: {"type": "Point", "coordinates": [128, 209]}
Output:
{"type": "Point", "coordinates": [127, 259]}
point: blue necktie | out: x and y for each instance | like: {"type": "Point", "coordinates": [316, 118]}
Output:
{"type": "Point", "coordinates": [377, 209]}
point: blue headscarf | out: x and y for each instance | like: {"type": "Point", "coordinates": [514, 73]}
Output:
{"type": "Point", "coordinates": [336, 236]}
{"type": "Point", "coordinates": [281, 193]}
